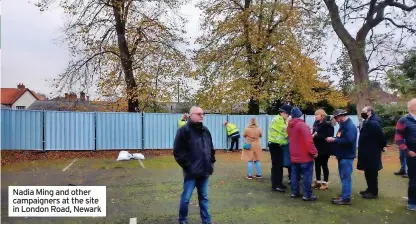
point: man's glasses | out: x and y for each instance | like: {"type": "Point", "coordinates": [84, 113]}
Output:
{"type": "Point", "coordinates": [199, 114]}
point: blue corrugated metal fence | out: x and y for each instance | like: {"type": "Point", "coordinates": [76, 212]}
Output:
{"type": "Point", "coordinates": [57, 130]}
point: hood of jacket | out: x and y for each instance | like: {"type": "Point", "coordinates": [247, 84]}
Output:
{"type": "Point", "coordinates": [293, 122]}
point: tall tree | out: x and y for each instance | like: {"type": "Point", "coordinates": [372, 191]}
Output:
{"type": "Point", "coordinates": [402, 78]}
{"type": "Point", "coordinates": [251, 51]}
{"type": "Point", "coordinates": [366, 42]}
{"type": "Point", "coordinates": [110, 39]}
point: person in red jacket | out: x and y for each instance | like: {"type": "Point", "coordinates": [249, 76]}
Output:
{"type": "Point", "coordinates": [302, 155]}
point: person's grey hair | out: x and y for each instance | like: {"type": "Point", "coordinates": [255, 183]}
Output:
{"type": "Point", "coordinates": [410, 102]}
{"type": "Point", "coordinates": [193, 108]}
{"type": "Point", "coordinates": [370, 109]}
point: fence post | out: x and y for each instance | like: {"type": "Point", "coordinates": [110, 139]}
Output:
{"type": "Point", "coordinates": [142, 127]}
{"type": "Point", "coordinates": [43, 131]}
{"type": "Point", "coordinates": [95, 131]}
{"type": "Point", "coordinates": [226, 135]}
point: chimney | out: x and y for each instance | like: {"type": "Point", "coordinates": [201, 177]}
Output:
{"type": "Point", "coordinates": [21, 86]}
{"type": "Point", "coordinates": [72, 97]}
{"type": "Point", "coordinates": [66, 96]}
{"type": "Point", "coordinates": [88, 98]}
{"type": "Point", "coordinates": [82, 96]}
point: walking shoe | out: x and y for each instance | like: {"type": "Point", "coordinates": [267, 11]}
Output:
{"type": "Point", "coordinates": [249, 177]}
{"type": "Point", "coordinates": [400, 172]}
{"type": "Point", "coordinates": [280, 189]}
{"type": "Point", "coordinates": [342, 201]}
{"type": "Point", "coordinates": [324, 186]}
{"type": "Point", "coordinates": [411, 207]}
{"type": "Point", "coordinates": [310, 199]}
{"type": "Point", "coordinates": [316, 185]}
{"type": "Point", "coordinates": [369, 195]}
{"type": "Point", "coordinates": [363, 192]}
{"type": "Point", "coordinates": [294, 195]}
{"type": "Point", "coordinates": [336, 198]}
{"type": "Point", "coordinates": [406, 176]}
{"type": "Point", "coordinates": [258, 177]}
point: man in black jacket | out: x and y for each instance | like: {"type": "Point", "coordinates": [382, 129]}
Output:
{"type": "Point", "coordinates": [370, 145]}
{"type": "Point", "coordinates": [194, 152]}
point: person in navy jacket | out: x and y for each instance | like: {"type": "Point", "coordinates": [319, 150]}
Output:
{"type": "Point", "coordinates": [370, 146]}
{"type": "Point", "coordinates": [344, 147]}
{"type": "Point", "coordinates": [194, 152]}
{"type": "Point", "coordinates": [406, 140]}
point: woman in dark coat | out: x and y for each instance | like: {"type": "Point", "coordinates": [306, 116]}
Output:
{"type": "Point", "coordinates": [321, 130]}
{"type": "Point", "coordinates": [370, 146]}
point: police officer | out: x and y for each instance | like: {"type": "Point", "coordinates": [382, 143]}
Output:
{"type": "Point", "coordinates": [278, 139]}
{"type": "Point", "coordinates": [233, 133]}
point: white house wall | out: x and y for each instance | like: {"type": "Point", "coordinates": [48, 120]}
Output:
{"type": "Point", "coordinates": [25, 100]}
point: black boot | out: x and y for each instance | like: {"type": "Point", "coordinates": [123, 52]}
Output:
{"type": "Point", "coordinates": [369, 195]}
{"type": "Point", "coordinates": [400, 172]}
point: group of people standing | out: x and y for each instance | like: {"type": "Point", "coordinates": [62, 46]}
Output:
{"type": "Point", "coordinates": [307, 149]}
{"type": "Point", "coordinates": [292, 145]}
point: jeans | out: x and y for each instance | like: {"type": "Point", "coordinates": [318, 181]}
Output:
{"type": "Point", "coordinates": [276, 154]}
{"type": "Point", "coordinates": [371, 177]}
{"type": "Point", "coordinates": [403, 160]}
{"type": "Point", "coordinates": [250, 168]}
{"type": "Point", "coordinates": [345, 171]}
{"type": "Point", "coordinates": [189, 185]}
{"type": "Point", "coordinates": [322, 162]}
{"type": "Point", "coordinates": [306, 169]}
{"type": "Point", "coordinates": [234, 141]}
{"type": "Point", "coordinates": [411, 166]}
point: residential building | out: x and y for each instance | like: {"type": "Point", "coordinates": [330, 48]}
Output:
{"type": "Point", "coordinates": [19, 98]}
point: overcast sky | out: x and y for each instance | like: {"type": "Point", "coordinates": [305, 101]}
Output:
{"type": "Point", "coordinates": [32, 55]}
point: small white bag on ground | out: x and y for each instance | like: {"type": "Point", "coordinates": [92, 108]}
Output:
{"type": "Point", "coordinates": [124, 155]}
{"type": "Point", "coordinates": [137, 156]}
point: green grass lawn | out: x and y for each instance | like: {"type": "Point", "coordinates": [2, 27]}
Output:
{"type": "Point", "coordinates": [152, 194]}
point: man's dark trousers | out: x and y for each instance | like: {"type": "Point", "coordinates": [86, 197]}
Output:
{"type": "Point", "coordinates": [234, 140]}
{"type": "Point", "coordinates": [276, 153]}
{"type": "Point", "coordinates": [371, 176]}
{"type": "Point", "coordinates": [411, 171]}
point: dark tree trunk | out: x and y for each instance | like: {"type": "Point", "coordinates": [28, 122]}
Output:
{"type": "Point", "coordinates": [356, 52]}
{"type": "Point", "coordinates": [253, 105]}
{"type": "Point", "coordinates": [126, 58]}
{"type": "Point", "coordinates": [361, 78]}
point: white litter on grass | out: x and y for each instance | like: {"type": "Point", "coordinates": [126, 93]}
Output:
{"type": "Point", "coordinates": [133, 220]}
{"type": "Point", "coordinates": [137, 156]}
{"type": "Point", "coordinates": [125, 156]}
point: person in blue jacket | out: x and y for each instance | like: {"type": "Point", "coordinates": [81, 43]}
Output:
{"type": "Point", "coordinates": [345, 147]}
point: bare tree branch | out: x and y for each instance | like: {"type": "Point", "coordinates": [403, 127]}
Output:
{"type": "Point", "coordinates": [402, 6]}
{"type": "Point", "coordinates": [401, 26]}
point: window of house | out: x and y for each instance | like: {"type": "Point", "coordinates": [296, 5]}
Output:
{"type": "Point", "coordinates": [20, 107]}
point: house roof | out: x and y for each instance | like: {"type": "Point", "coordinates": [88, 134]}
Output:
{"type": "Point", "coordinates": [378, 96]}
{"type": "Point", "coordinates": [10, 95]}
